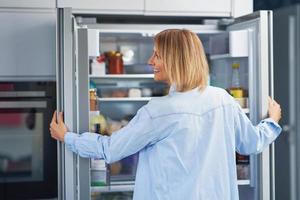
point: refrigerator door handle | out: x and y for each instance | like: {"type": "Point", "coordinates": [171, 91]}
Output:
{"type": "Point", "coordinates": [67, 183]}
{"type": "Point", "coordinates": [291, 128]}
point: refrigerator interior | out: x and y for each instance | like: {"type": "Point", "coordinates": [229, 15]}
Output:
{"type": "Point", "coordinates": [116, 105]}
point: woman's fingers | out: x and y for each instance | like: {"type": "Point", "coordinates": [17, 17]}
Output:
{"type": "Point", "coordinates": [60, 118]}
{"type": "Point", "coordinates": [54, 117]}
{"type": "Point", "coordinates": [273, 102]}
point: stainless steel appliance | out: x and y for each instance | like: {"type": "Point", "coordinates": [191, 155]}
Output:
{"type": "Point", "coordinates": [253, 32]}
{"type": "Point", "coordinates": [286, 81]}
{"type": "Point", "coordinates": [28, 155]}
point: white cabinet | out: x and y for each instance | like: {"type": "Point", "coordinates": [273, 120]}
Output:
{"type": "Point", "coordinates": [28, 43]}
{"type": "Point", "coordinates": [203, 8]}
{"type": "Point", "coordinates": [104, 6]}
{"type": "Point", "coordinates": [28, 3]}
{"type": "Point", "coordinates": [189, 7]}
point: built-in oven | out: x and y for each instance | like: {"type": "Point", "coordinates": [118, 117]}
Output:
{"type": "Point", "coordinates": [28, 155]}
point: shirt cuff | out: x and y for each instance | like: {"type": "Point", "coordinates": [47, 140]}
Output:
{"type": "Point", "coordinates": [69, 140]}
{"type": "Point", "coordinates": [274, 125]}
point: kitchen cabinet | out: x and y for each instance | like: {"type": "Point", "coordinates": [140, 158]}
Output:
{"type": "Point", "coordinates": [28, 3]}
{"type": "Point", "coordinates": [27, 43]}
{"type": "Point", "coordinates": [103, 6]}
{"type": "Point", "coordinates": [189, 7]}
{"type": "Point", "coordinates": [202, 8]}
{"type": "Point", "coordinates": [138, 39]}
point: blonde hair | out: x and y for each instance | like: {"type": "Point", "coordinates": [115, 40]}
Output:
{"type": "Point", "coordinates": [183, 58]}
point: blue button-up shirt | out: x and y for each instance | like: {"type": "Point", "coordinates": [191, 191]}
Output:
{"type": "Point", "coordinates": [186, 143]}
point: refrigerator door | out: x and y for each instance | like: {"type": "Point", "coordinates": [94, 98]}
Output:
{"type": "Point", "coordinates": [72, 53]}
{"type": "Point", "coordinates": [286, 81]}
{"type": "Point", "coordinates": [259, 28]}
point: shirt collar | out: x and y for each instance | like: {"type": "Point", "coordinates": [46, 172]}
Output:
{"type": "Point", "coordinates": [172, 90]}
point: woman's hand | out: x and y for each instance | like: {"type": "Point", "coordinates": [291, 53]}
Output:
{"type": "Point", "coordinates": [274, 110]}
{"type": "Point", "coordinates": [57, 127]}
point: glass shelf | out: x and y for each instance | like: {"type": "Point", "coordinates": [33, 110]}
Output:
{"type": "Point", "coordinates": [123, 76]}
{"type": "Point", "coordinates": [130, 187]}
{"type": "Point", "coordinates": [223, 56]}
{"type": "Point", "coordinates": [113, 188]}
{"type": "Point", "coordinates": [122, 99]}
{"type": "Point", "coordinates": [243, 182]}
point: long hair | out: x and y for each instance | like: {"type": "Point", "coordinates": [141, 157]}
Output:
{"type": "Point", "coordinates": [183, 58]}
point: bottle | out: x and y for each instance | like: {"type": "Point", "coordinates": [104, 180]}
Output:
{"type": "Point", "coordinates": [99, 169]}
{"type": "Point", "coordinates": [242, 166]}
{"type": "Point", "coordinates": [236, 90]}
{"type": "Point", "coordinates": [98, 123]}
{"type": "Point", "coordinates": [93, 99]}
{"type": "Point", "coordinates": [99, 172]}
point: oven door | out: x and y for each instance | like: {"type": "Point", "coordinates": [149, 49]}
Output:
{"type": "Point", "coordinates": [28, 155]}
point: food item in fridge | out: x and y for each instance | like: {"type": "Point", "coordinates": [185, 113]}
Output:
{"type": "Point", "coordinates": [93, 99]}
{"type": "Point", "coordinates": [243, 172]}
{"type": "Point", "coordinates": [115, 168]}
{"type": "Point", "coordinates": [98, 123]}
{"type": "Point", "coordinates": [99, 172]}
{"type": "Point", "coordinates": [146, 92]}
{"type": "Point", "coordinates": [134, 92]}
{"type": "Point", "coordinates": [115, 62]}
{"type": "Point", "coordinates": [242, 159]}
{"type": "Point", "coordinates": [98, 66]}
{"type": "Point", "coordinates": [119, 93]}
{"type": "Point", "coordinates": [242, 162]}
{"type": "Point", "coordinates": [236, 90]}
{"type": "Point", "coordinates": [99, 169]}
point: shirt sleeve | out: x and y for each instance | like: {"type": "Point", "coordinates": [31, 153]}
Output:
{"type": "Point", "coordinates": [253, 139]}
{"type": "Point", "coordinates": [139, 133]}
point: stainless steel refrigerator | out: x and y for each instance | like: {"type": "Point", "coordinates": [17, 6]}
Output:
{"type": "Point", "coordinates": [286, 82]}
{"type": "Point", "coordinates": [246, 40]}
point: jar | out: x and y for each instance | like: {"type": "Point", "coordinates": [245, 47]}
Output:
{"type": "Point", "coordinates": [93, 99]}
{"type": "Point", "coordinates": [115, 62]}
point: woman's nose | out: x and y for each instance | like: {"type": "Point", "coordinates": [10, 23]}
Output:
{"type": "Point", "coordinates": [150, 61]}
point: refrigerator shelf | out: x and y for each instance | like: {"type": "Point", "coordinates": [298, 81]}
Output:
{"type": "Point", "coordinates": [130, 187]}
{"type": "Point", "coordinates": [124, 99]}
{"type": "Point", "coordinates": [223, 56]}
{"type": "Point", "coordinates": [134, 99]}
{"type": "Point", "coordinates": [123, 76]}
{"type": "Point", "coordinates": [112, 188]}
{"type": "Point", "coordinates": [243, 182]}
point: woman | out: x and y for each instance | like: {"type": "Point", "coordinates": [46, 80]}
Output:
{"type": "Point", "coordinates": [186, 140]}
